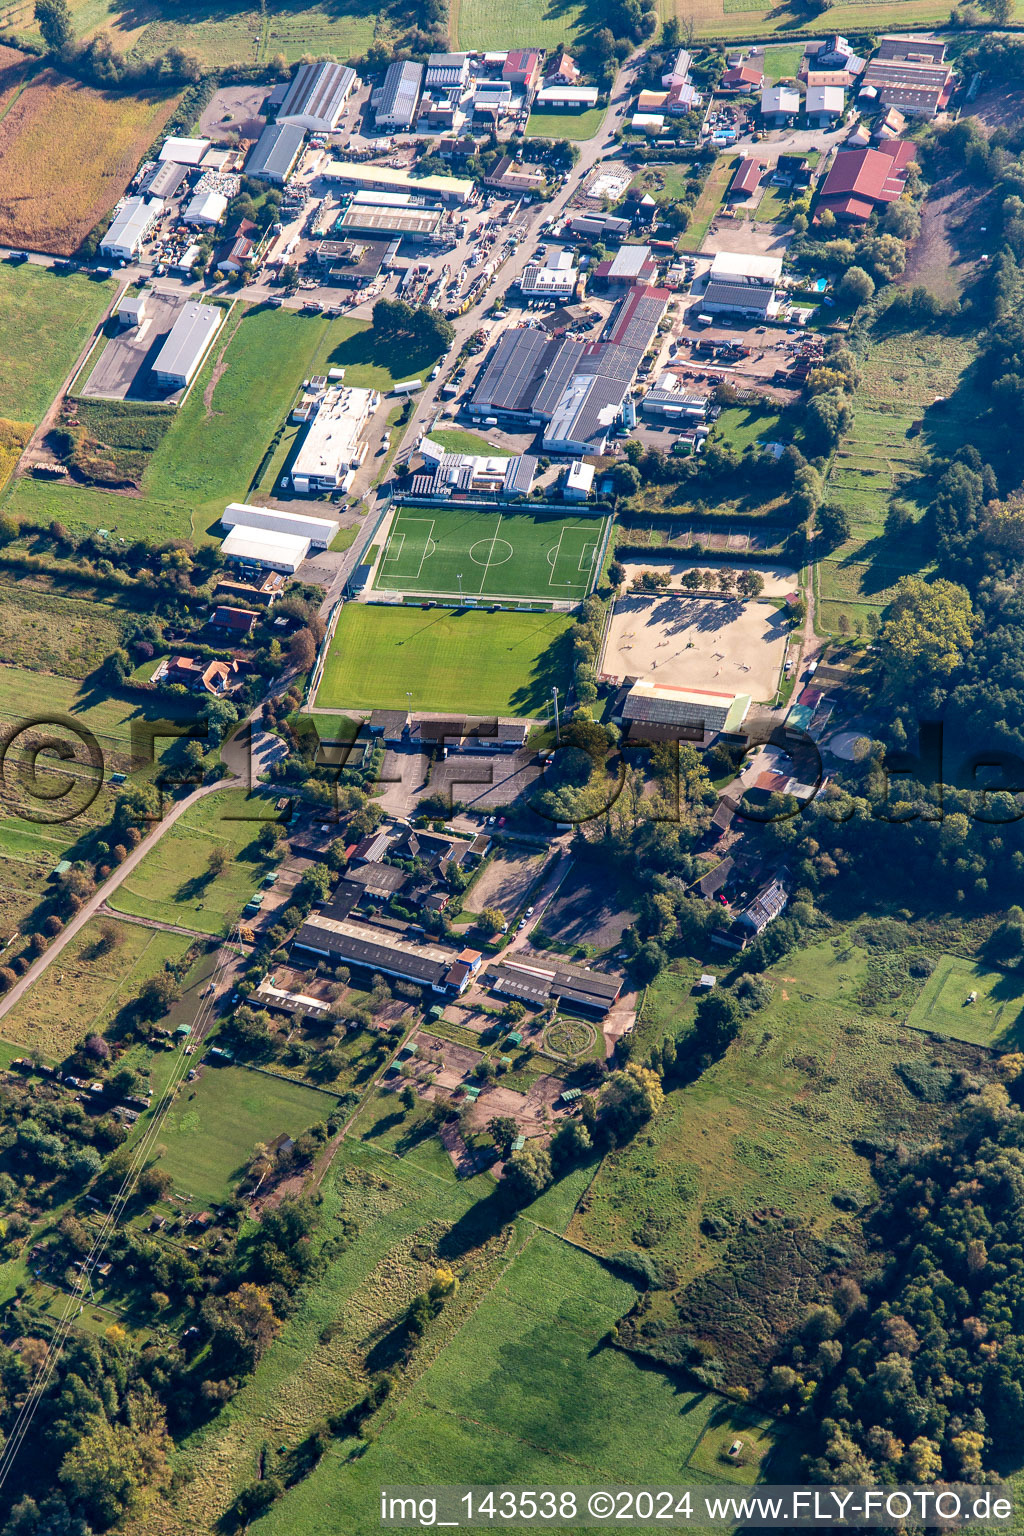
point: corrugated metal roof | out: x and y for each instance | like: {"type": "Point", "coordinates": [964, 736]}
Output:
{"type": "Point", "coordinates": [189, 339]}
{"type": "Point", "coordinates": [318, 91]}
{"type": "Point", "coordinates": [276, 152]}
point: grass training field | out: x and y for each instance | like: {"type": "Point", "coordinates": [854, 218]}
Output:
{"type": "Point", "coordinates": [480, 663]}
{"type": "Point", "coordinates": [525, 1394]}
{"type": "Point", "coordinates": [994, 1018]}
{"type": "Point", "coordinates": [214, 449]}
{"type": "Point", "coordinates": [82, 993]}
{"type": "Point", "coordinates": [67, 152]}
{"type": "Point", "coordinates": [58, 312]}
{"type": "Point", "coordinates": [453, 552]}
{"type": "Point", "coordinates": [214, 1123]}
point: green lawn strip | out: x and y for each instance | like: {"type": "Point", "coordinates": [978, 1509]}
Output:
{"type": "Point", "coordinates": [993, 1019]}
{"type": "Point", "coordinates": [564, 125]}
{"type": "Point", "coordinates": [174, 883]}
{"type": "Point", "coordinates": [57, 313]}
{"type": "Point", "coordinates": [483, 663]}
{"type": "Point", "coordinates": [344, 539]}
{"type": "Point", "coordinates": [458, 441]}
{"type": "Point", "coordinates": [523, 1395]}
{"type": "Point", "coordinates": [709, 202]}
{"type": "Point", "coordinates": [210, 1130]}
{"type": "Point", "coordinates": [782, 60]}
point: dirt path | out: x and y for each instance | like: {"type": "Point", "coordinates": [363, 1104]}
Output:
{"type": "Point", "coordinates": [113, 881]}
{"type": "Point", "coordinates": [149, 922]}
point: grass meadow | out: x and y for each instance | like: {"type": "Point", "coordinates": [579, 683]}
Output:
{"type": "Point", "coordinates": [58, 312]}
{"type": "Point", "coordinates": [481, 663]}
{"type": "Point", "coordinates": [774, 1121]}
{"type": "Point", "coordinates": [458, 440]}
{"type": "Point", "coordinates": [211, 1129]}
{"type": "Point", "coordinates": [82, 992]}
{"type": "Point", "coordinates": [215, 449]}
{"type": "Point", "coordinates": [67, 152]}
{"type": "Point", "coordinates": [895, 425]}
{"type": "Point", "coordinates": [174, 883]}
{"type": "Point", "coordinates": [517, 24]}
{"type": "Point", "coordinates": [51, 632]}
{"type": "Point", "coordinates": [526, 1394]}
{"type": "Point", "coordinates": [383, 1224]}
{"type": "Point", "coordinates": [709, 202]}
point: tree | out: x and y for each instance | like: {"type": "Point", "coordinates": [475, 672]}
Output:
{"type": "Point", "coordinates": [491, 920]}
{"type": "Point", "coordinates": [156, 997]}
{"type": "Point", "coordinates": [154, 1184]}
{"type": "Point", "coordinates": [833, 523]}
{"type": "Point", "coordinates": [528, 1173]}
{"type": "Point", "coordinates": [54, 20]}
{"type": "Point", "coordinates": [503, 1131]}
{"type": "Point", "coordinates": [855, 287]}
{"type": "Point", "coordinates": [218, 860]}
{"type": "Point", "coordinates": [103, 1470]}
{"type": "Point", "coordinates": [718, 1022]}
{"type": "Point", "coordinates": [750, 583]}
{"type": "Point", "coordinates": [302, 650]}
{"type": "Point", "coordinates": [633, 1097]}
{"type": "Point", "coordinates": [929, 632]}
{"type": "Point", "coordinates": [570, 1142]}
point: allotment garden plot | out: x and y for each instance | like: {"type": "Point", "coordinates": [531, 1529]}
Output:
{"type": "Point", "coordinates": [452, 552]}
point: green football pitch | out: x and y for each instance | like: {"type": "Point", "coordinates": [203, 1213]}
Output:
{"type": "Point", "coordinates": [457, 551]}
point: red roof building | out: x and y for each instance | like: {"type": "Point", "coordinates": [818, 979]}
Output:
{"type": "Point", "coordinates": [522, 67]}
{"type": "Point", "coordinates": [239, 620]}
{"type": "Point", "coordinates": [742, 77]}
{"type": "Point", "coordinates": [862, 180]}
{"type": "Point", "coordinates": [747, 178]}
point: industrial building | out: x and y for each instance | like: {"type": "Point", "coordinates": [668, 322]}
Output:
{"type": "Point", "coordinates": [333, 443]}
{"type": "Point", "coordinates": [317, 95]}
{"type": "Point", "coordinates": [395, 102]}
{"type": "Point", "coordinates": [688, 708]}
{"type": "Point", "coordinates": [184, 151]}
{"type": "Point", "coordinates": [824, 104]}
{"type": "Point", "coordinates": [264, 548]}
{"type": "Point", "coordinates": [164, 179]}
{"type": "Point", "coordinates": [409, 223]}
{"type": "Point", "coordinates": [598, 226]}
{"type": "Point", "coordinates": [909, 73]}
{"type": "Point", "coordinates": [390, 951]}
{"type": "Point", "coordinates": [779, 103]}
{"type": "Point", "coordinates": [575, 389]}
{"type": "Point", "coordinates": [447, 70]}
{"type": "Point", "coordinates": [360, 177]}
{"type": "Point", "coordinates": [742, 285]}
{"type": "Point", "coordinates": [190, 338]}
{"type": "Point", "coordinates": [318, 530]}
{"type": "Point", "coordinates": [572, 98]}
{"type": "Point", "coordinates": [274, 156]}
{"type": "Point", "coordinates": [669, 401]}
{"type": "Point", "coordinates": [447, 474]}
{"type": "Point", "coordinates": [132, 309]}
{"type": "Point", "coordinates": [130, 225]}
{"type": "Point", "coordinates": [541, 981]}
{"type": "Point", "coordinates": [579, 480]}
{"type": "Point", "coordinates": [746, 179]}
{"type": "Point", "coordinates": [630, 264]}
{"type": "Point", "coordinates": [556, 279]}
{"type": "Point", "coordinates": [206, 208]}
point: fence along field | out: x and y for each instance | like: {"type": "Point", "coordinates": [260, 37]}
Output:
{"type": "Point", "coordinates": [66, 154]}
{"type": "Point", "coordinates": [452, 552]}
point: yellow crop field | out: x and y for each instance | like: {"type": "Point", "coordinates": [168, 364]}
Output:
{"type": "Point", "coordinates": [67, 152]}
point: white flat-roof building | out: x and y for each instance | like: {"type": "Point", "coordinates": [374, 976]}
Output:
{"type": "Point", "coordinates": [191, 337]}
{"type": "Point", "coordinates": [184, 151]}
{"type": "Point", "coordinates": [318, 530]}
{"type": "Point", "coordinates": [579, 480]}
{"type": "Point", "coordinates": [266, 549]}
{"type": "Point", "coordinates": [576, 97]}
{"type": "Point", "coordinates": [333, 443]}
{"type": "Point", "coordinates": [556, 279]}
{"type": "Point", "coordinates": [779, 101]}
{"type": "Point", "coordinates": [132, 309]}
{"type": "Point", "coordinates": [206, 208]}
{"type": "Point", "coordinates": [317, 95]}
{"type": "Point", "coordinates": [130, 225]}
